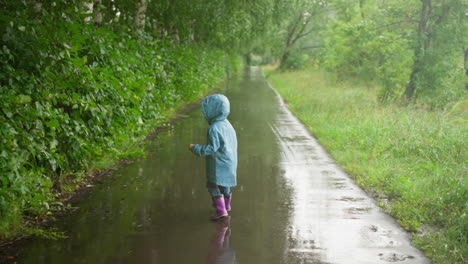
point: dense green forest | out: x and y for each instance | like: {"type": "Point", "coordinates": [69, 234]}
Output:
{"type": "Point", "coordinates": [416, 50]}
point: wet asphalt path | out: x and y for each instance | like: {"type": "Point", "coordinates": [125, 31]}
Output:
{"type": "Point", "coordinates": [293, 204]}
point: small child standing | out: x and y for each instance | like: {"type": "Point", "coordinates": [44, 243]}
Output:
{"type": "Point", "coordinates": [220, 153]}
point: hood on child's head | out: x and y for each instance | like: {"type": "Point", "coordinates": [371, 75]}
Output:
{"type": "Point", "coordinates": [215, 108]}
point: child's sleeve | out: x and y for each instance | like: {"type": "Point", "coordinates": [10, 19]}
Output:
{"type": "Point", "coordinates": [211, 147]}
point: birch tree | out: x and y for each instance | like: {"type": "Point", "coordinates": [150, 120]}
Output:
{"type": "Point", "coordinates": [97, 13]}
{"type": "Point", "coordinates": [140, 16]}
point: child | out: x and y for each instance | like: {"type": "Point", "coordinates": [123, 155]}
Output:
{"type": "Point", "coordinates": [220, 153]}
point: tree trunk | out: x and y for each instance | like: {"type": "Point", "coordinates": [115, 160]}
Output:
{"type": "Point", "coordinates": [361, 8]}
{"type": "Point", "coordinates": [88, 6]}
{"type": "Point", "coordinates": [284, 58]}
{"type": "Point", "coordinates": [248, 59]}
{"type": "Point", "coordinates": [411, 88]}
{"type": "Point", "coordinates": [97, 13]}
{"type": "Point", "coordinates": [465, 64]}
{"type": "Point", "coordinates": [423, 42]}
{"type": "Point", "coordinates": [192, 31]}
{"type": "Point", "coordinates": [140, 15]}
{"type": "Point", "coordinates": [295, 32]}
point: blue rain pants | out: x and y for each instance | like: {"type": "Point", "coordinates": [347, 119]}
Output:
{"type": "Point", "coordinates": [218, 190]}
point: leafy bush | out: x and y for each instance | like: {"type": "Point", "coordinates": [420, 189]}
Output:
{"type": "Point", "coordinates": [355, 50]}
{"type": "Point", "coordinates": [295, 61]}
{"type": "Point", "coordinates": [72, 94]}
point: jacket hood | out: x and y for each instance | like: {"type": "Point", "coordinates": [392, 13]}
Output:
{"type": "Point", "coordinates": [215, 108]}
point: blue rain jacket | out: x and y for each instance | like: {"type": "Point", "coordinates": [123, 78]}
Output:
{"type": "Point", "coordinates": [221, 149]}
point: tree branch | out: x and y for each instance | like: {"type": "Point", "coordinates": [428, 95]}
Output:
{"type": "Point", "coordinates": [391, 24]}
{"type": "Point", "coordinates": [443, 15]}
{"type": "Point", "coordinates": [300, 33]}
{"type": "Point", "coordinates": [293, 30]}
{"type": "Point", "coordinates": [307, 33]}
{"type": "Point", "coordinates": [313, 47]}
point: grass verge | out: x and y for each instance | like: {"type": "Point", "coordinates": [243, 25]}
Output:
{"type": "Point", "coordinates": [413, 160]}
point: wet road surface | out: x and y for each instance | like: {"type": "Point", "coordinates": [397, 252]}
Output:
{"type": "Point", "coordinates": [292, 203]}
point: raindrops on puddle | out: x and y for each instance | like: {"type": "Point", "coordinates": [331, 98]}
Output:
{"type": "Point", "coordinates": [394, 257]}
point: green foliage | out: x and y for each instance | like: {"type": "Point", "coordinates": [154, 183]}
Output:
{"type": "Point", "coordinates": [297, 33]}
{"type": "Point", "coordinates": [50, 233]}
{"type": "Point", "coordinates": [72, 94]}
{"type": "Point", "coordinates": [345, 50]}
{"type": "Point", "coordinates": [229, 24]}
{"type": "Point", "coordinates": [393, 44]}
{"type": "Point", "coordinates": [442, 79]}
{"type": "Point", "coordinates": [296, 61]}
{"type": "Point", "coordinates": [412, 157]}
{"type": "Point", "coordinates": [356, 50]}
{"type": "Point", "coordinates": [386, 42]}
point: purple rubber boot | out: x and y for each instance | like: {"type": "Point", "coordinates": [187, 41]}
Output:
{"type": "Point", "coordinates": [220, 208]}
{"type": "Point", "coordinates": [227, 202]}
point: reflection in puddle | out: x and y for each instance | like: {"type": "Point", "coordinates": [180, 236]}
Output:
{"type": "Point", "coordinates": [220, 251]}
{"type": "Point", "coordinates": [393, 257]}
{"type": "Point", "coordinates": [351, 199]}
{"type": "Point", "coordinates": [355, 210]}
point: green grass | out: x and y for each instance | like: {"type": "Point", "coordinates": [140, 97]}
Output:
{"type": "Point", "coordinates": [413, 160]}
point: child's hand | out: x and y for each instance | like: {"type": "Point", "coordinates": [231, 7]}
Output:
{"type": "Point", "coordinates": [190, 147]}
